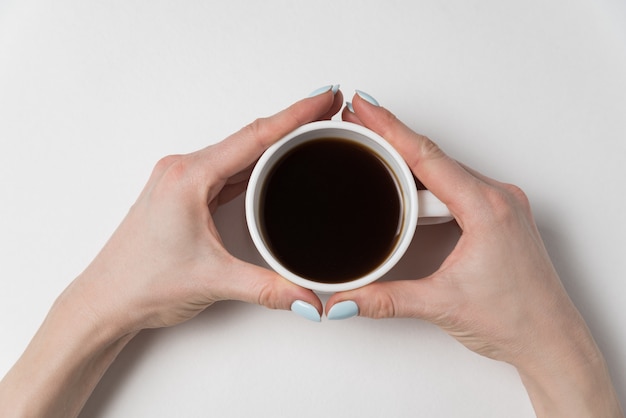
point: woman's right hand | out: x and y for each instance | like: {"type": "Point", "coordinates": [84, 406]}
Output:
{"type": "Point", "coordinates": [497, 293]}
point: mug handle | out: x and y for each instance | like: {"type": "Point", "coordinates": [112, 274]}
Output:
{"type": "Point", "coordinates": [431, 210]}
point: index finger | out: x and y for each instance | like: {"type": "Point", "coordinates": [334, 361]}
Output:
{"type": "Point", "coordinates": [241, 149]}
{"type": "Point", "coordinates": [442, 175]}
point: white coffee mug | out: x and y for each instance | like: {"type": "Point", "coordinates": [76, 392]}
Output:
{"type": "Point", "coordinates": [422, 204]}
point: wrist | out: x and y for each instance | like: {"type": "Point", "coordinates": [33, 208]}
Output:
{"type": "Point", "coordinates": [63, 362]}
{"type": "Point", "coordinates": [89, 303]}
{"type": "Point", "coordinates": [91, 319]}
{"type": "Point", "coordinates": [569, 378]}
{"type": "Point", "coordinates": [583, 391]}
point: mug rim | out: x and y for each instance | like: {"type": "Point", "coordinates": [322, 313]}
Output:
{"type": "Point", "coordinates": [404, 178]}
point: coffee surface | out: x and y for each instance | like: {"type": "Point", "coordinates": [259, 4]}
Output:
{"type": "Point", "coordinates": [331, 210]}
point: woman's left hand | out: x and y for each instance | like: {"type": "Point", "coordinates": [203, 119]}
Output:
{"type": "Point", "coordinates": [166, 262]}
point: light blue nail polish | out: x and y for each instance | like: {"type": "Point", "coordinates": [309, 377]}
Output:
{"type": "Point", "coordinates": [343, 310]}
{"type": "Point", "coordinates": [367, 98]}
{"type": "Point", "coordinates": [305, 310]}
{"type": "Point", "coordinates": [321, 90]}
{"type": "Point", "coordinates": [349, 106]}
{"type": "Point", "coordinates": [335, 88]}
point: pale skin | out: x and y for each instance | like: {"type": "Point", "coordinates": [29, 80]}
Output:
{"type": "Point", "coordinates": [497, 293]}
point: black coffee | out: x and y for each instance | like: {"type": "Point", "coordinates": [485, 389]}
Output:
{"type": "Point", "coordinates": [331, 210]}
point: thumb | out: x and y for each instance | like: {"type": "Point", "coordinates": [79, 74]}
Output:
{"type": "Point", "coordinates": [253, 284]}
{"type": "Point", "coordinates": [395, 299]}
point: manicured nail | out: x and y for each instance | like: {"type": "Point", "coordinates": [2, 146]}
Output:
{"type": "Point", "coordinates": [367, 97]}
{"type": "Point", "coordinates": [331, 87]}
{"type": "Point", "coordinates": [343, 310]}
{"type": "Point", "coordinates": [349, 106]}
{"type": "Point", "coordinates": [321, 90]}
{"type": "Point", "coordinates": [306, 310]}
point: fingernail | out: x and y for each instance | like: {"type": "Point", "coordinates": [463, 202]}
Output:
{"type": "Point", "coordinates": [349, 106]}
{"type": "Point", "coordinates": [321, 90]}
{"type": "Point", "coordinates": [367, 98]}
{"type": "Point", "coordinates": [343, 310]}
{"type": "Point", "coordinates": [306, 310]}
{"type": "Point", "coordinates": [331, 87]}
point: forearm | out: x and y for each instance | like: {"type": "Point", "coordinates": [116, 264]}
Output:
{"type": "Point", "coordinates": [586, 392]}
{"type": "Point", "coordinates": [570, 379]}
{"type": "Point", "coordinates": [62, 364]}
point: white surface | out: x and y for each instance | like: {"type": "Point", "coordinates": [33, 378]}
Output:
{"type": "Point", "coordinates": [93, 93]}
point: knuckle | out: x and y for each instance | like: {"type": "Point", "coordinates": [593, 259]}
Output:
{"type": "Point", "coordinates": [382, 306]}
{"type": "Point", "coordinates": [427, 150]}
{"type": "Point", "coordinates": [164, 163]}
{"type": "Point", "coordinates": [172, 172]}
{"type": "Point", "coordinates": [259, 134]}
{"type": "Point", "coordinates": [177, 171]}
{"type": "Point", "coordinates": [518, 195]}
{"type": "Point", "coordinates": [268, 290]}
{"type": "Point", "coordinates": [266, 296]}
{"type": "Point", "coordinates": [256, 129]}
{"type": "Point", "coordinates": [506, 201]}
{"type": "Point", "coordinates": [498, 203]}
{"type": "Point", "coordinates": [430, 148]}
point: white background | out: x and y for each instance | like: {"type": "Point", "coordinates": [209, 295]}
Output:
{"type": "Point", "coordinates": [93, 93]}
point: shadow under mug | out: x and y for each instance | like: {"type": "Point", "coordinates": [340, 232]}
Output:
{"type": "Point", "coordinates": [417, 206]}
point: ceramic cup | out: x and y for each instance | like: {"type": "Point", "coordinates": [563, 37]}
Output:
{"type": "Point", "coordinates": [416, 206]}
